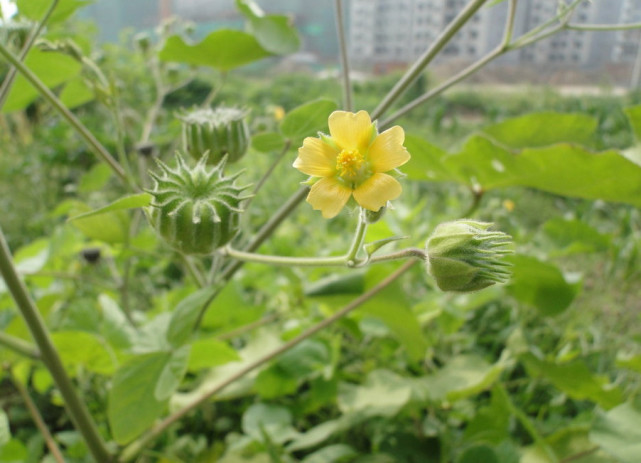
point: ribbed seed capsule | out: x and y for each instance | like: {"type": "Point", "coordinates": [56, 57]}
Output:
{"type": "Point", "coordinates": [195, 210]}
{"type": "Point", "coordinates": [221, 131]}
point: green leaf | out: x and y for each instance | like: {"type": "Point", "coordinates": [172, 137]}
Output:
{"type": "Point", "coordinates": [114, 325]}
{"type": "Point", "coordinates": [294, 366]}
{"type": "Point", "coordinates": [575, 236]}
{"type": "Point", "coordinates": [32, 257]}
{"type": "Point", "coordinates": [95, 179]}
{"type": "Point", "coordinates": [172, 374]}
{"type": "Point", "coordinates": [273, 420]}
{"type": "Point", "coordinates": [133, 407]}
{"type": "Point", "coordinates": [268, 142]}
{"type": "Point", "coordinates": [110, 227]}
{"type": "Point", "coordinates": [331, 454]}
{"type": "Point", "coordinates": [223, 49]}
{"type": "Point", "coordinates": [427, 162]}
{"type": "Point", "coordinates": [128, 202]}
{"type": "Point", "coordinates": [477, 454]}
{"type": "Point", "coordinates": [543, 129]}
{"type": "Point", "coordinates": [5, 431]}
{"type": "Point", "coordinates": [563, 169]}
{"type": "Point", "coordinates": [36, 9]}
{"type": "Point", "coordinates": [13, 451]}
{"type": "Point", "coordinates": [341, 284]}
{"type": "Point", "coordinates": [382, 394]}
{"type": "Point", "coordinates": [491, 423]}
{"type": "Point", "coordinates": [392, 308]}
{"type": "Point", "coordinates": [371, 248]}
{"type": "Point", "coordinates": [184, 316]}
{"type": "Point", "coordinates": [82, 349]}
{"type": "Point", "coordinates": [208, 353]}
{"type": "Point", "coordinates": [462, 376]}
{"type": "Point", "coordinates": [618, 432]}
{"type": "Point", "coordinates": [575, 379]}
{"type": "Point", "coordinates": [307, 119]}
{"type": "Point", "coordinates": [76, 93]}
{"type": "Point", "coordinates": [51, 68]}
{"type": "Point", "coordinates": [631, 362]}
{"type": "Point", "coordinates": [273, 32]}
{"type": "Point", "coordinates": [541, 285]}
{"type": "Point", "coordinates": [634, 117]}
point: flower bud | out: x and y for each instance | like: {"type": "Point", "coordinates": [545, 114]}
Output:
{"type": "Point", "coordinates": [142, 41]}
{"type": "Point", "coordinates": [221, 131]}
{"type": "Point", "coordinates": [195, 210]}
{"type": "Point", "coordinates": [465, 256]}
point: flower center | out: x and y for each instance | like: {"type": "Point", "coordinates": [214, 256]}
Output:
{"type": "Point", "coordinates": [349, 163]}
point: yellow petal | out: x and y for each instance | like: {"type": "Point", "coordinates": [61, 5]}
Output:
{"type": "Point", "coordinates": [350, 130]}
{"type": "Point", "coordinates": [316, 158]}
{"type": "Point", "coordinates": [328, 196]}
{"type": "Point", "coordinates": [376, 191]}
{"type": "Point", "coordinates": [387, 151]}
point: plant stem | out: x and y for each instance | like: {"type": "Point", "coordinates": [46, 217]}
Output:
{"type": "Point", "coordinates": [342, 42]}
{"type": "Point", "coordinates": [413, 73]}
{"type": "Point", "coordinates": [248, 327]}
{"type": "Point", "coordinates": [285, 260]}
{"type": "Point", "coordinates": [603, 27]}
{"type": "Point", "coordinates": [20, 346]}
{"type": "Point", "coordinates": [527, 424]}
{"type": "Point", "coordinates": [133, 449]}
{"type": "Point", "coordinates": [359, 237]}
{"type": "Point", "coordinates": [502, 48]}
{"type": "Point", "coordinates": [75, 407]}
{"type": "Point", "coordinates": [91, 140]}
{"type": "Point", "coordinates": [270, 170]}
{"type": "Point", "coordinates": [39, 422]}
{"type": "Point", "coordinates": [11, 75]}
{"type": "Point", "coordinates": [214, 91]}
{"type": "Point", "coordinates": [402, 254]}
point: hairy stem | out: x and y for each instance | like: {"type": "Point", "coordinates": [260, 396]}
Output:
{"type": "Point", "coordinates": [89, 138]}
{"type": "Point", "coordinates": [20, 346]}
{"type": "Point", "coordinates": [133, 449]}
{"type": "Point", "coordinates": [502, 48]}
{"type": "Point", "coordinates": [419, 66]}
{"type": "Point", "coordinates": [11, 75]}
{"type": "Point", "coordinates": [342, 42]}
{"type": "Point", "coordinates": [75, 406]}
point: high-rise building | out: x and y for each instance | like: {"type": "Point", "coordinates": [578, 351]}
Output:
{"type": "Point", "coordinates": [628, 41]}
{"type": "Point", "coordinates": [398, 31]}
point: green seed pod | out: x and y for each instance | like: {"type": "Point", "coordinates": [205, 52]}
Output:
{"type": "Point", "coordinates": [465, 256]}
{"type": "Point", "coordinates": [195, 210]}
{"type": "Point", "coordinates": [221, 131]}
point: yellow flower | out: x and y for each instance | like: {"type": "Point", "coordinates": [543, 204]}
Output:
{"type": "Point", "coordinates": [352, 161]}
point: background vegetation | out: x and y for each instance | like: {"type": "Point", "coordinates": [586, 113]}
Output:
{"type": "Point", "coordinates": [544, 369]}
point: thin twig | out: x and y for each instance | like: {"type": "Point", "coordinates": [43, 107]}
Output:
{"type": "Point", "coordinates": [342, 42]}
{"type": "Point", "coordinates": [76, 408]}
{"type": "Point", "coordinates": [11, 75]}
{"type": "Point", "coordinates": [133, 449]}
{"type": "Point", "coordinates": [603, 27]}
{"type": "Point", "coordinates": [270, 170]}
{"type": "Point", "coordinates": [419, 66]}
{"type": "Point", "coordinates": [85, 133]}
{"type": "Point", "coordinates": [39, 421]}
{"type": "Point", "coordinates": [20, 346]}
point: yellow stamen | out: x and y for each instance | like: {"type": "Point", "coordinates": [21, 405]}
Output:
{"type": "Point", "coordinates": [348, 163]}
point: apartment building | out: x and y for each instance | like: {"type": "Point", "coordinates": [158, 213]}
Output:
{"type": "Point", "coordinates": [397, 31]}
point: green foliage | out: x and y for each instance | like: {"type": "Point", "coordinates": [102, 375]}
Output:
{"type": "Point", "coordinates": [543, 369]}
